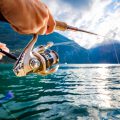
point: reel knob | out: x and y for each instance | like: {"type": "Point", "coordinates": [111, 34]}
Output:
{"type": "Point", "coordinates": [34, 63]}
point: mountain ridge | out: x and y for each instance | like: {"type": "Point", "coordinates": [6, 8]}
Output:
{"type": "Point", "coordinates": [69, 53]}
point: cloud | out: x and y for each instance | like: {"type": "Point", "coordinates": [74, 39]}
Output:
{"type": "Point", "coordinates": [79, 4]}
{"type": "Point", "coordinates": [65, 10]}
{"type": "Point", "coordinates": [99, 16]}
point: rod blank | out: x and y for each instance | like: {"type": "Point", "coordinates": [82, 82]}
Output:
{"type": "Point", "coordinates": [63, 27]}
{"type": "Point", "coordinates": [8, 54]}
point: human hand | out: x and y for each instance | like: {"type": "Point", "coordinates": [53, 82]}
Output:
{"type": "Point", "coordinates": [28, 16]}
{"type": "Point", "coordinates": [3, 47]}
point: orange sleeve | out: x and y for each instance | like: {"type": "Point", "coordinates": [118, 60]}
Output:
{"type": "Point", "coordinates": [23, 15]}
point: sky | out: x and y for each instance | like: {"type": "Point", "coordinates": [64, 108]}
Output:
{"type": "Point", "coordinates": [99, 16]}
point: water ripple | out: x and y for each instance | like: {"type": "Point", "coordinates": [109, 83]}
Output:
{"type": "Point", "coordinates": [75, 92]}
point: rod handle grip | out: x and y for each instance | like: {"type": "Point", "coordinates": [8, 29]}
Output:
{"type": "Point", "coordinates": [62, 26]}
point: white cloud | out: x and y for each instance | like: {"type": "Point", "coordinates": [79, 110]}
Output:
{"type": "Point", "coordinates": [99, 16]}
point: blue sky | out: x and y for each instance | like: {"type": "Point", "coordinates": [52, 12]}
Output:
{"type": "Point", "coordinates": [99, 16]}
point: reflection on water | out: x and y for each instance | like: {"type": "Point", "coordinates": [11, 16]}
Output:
{"type": "Point", "coordinates": [75, 92]}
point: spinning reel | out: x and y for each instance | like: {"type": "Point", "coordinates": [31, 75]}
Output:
{"type": "Point", "coordinates": [40, 60]}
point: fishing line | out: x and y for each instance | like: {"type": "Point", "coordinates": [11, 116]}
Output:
{"type": "Point", "coordinates": [105, 37]}
{"type": "Point", "coordinates": [72, 44]}
{"type": "Point", "coordinates": [67, 44]}
{"type": "Point", "coordinates": [116, 54]}
{"type": "Point", "coordinates": [18, 50]}
{"type": "Point", "coordinates": [63, 43]}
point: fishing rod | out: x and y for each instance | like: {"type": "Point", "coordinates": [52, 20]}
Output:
{"type": "Point", "coordinates": [62, 26]}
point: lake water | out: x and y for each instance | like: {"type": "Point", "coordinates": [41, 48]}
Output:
{"type": "Point", "coordinates": [75, 92]}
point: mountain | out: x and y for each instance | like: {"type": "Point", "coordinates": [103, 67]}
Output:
{"type": "Point", "coordinates": [68, 53]}
{"type": "Point", "coordinates": [105, 53]}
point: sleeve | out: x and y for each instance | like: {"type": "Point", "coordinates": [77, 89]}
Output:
{"type": "Point", "coordinates": [23, 15]}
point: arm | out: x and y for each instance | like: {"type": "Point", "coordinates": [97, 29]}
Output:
{"type": "Point", "coordinates": [27, 16]}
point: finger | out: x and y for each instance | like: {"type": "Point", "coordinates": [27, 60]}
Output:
{"type": "Point", "coordinates": [51, 24]}
{"type": "Point", "coordinates": [3, 47]}
{"type": "Point", "coordinates": [1, 56]}
{"type": "Point", "coordinates": [43, 30]}
{"type": "Point", "coordinates": [43, 26]}
{"type": "Point", "coordinates": [6, 49]}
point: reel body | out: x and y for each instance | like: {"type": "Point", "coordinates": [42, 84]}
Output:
{"type": "Point", "coordinates": [40, 60]}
